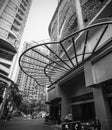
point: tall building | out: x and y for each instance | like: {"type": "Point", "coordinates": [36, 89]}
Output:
{"type": "Point", "coordinates": [27, 84]}
{"type": "Point", "coordinates": [86, 90]}
{"type": "Point", "coordinates": [13, 16]}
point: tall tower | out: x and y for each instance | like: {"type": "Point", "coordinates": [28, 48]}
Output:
{"type": "Point", "coordinates": [26, 84]}
{"type": "Point", "coordinates": [13, 16]}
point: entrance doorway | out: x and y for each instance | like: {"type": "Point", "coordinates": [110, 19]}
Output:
{"type": "Point", "coordinates": [83, 112]}
{"type": "Point", "coordinates": [55, 110]}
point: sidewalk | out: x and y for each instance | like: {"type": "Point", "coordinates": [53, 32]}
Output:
{"type": "Point", "coordinates": [2, 122]}
{"type": "Point", "coordinates": [59, 127]}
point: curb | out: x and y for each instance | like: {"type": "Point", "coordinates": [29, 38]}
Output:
{"type": "Point", "coordinates": [58, 127]}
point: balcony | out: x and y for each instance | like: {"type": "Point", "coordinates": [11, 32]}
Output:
{"type": "Point", "coordinates": [16, 2]}
{"type": "Point", "coordinates": [22, 10]}
{"type": "Point", "coordinates": [16, 27]}
{"type": "Point", "coordinates": [57, 60]}
{"type": "Point", "coordinates": [6, 60]}
{"type": "Point", "coordinates": [5, 41]}
{"type": "Point", "coordinates": [5, 69]}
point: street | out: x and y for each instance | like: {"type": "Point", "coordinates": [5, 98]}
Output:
{"type": "Point", "coordinates": [37, 124]}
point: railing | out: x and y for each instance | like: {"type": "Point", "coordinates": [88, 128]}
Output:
{"type": "Point", "coordinates": [78, 125]}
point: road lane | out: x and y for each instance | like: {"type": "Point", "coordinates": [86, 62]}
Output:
{"type": "Point", "coordinates": [37, 124]}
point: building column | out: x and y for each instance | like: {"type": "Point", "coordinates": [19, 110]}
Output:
{"type": "Point", "coordinates": [102, 108]}
{"type": "Point", "coordinates": [65, 107]}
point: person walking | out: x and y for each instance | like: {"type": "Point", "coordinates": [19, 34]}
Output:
{"type": "Point", "coordinates": [97, 124]}
{"type": "Point", "coordinates": [70, 118]}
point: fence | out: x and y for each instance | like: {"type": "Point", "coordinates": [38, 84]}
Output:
{"type": "Point", "coordinates": [78, 125]}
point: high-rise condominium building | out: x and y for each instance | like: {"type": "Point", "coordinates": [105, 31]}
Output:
{"type": "Point", "coordinates": [13, 16]}
{"type": "Point", "coordinates": [27, 84]}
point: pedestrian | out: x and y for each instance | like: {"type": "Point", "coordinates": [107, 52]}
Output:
{"type": "Point", "coordinates": [78, 126]}
{"type": "Point", "coordinates": [70, 117]}
{"type": "Point", "coordinates": [66, 118]}
{"type": "Point", "coordinates": [59, 117]}
{"type": "Point", "coordinates": [97, 124]}
{"type": "Point", "coordinates": [47, 117]}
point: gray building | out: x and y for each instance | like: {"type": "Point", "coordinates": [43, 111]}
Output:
{"type": "Point", "coordinates": [13, 16]}
{"type": "Point", "coordinates": [27, 84]}
{"type": "Point", "coordinates": [86, 90]}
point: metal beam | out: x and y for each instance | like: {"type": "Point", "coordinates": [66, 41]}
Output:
{"type": "Point", "coordinates": [87, 32]}
{"type": "Point", "coordinates": [67, 54]}
{"type": "Point", "coordinates": [103, 32]}
{"type": "Point", "coordinates": [57, 56]}
{"type": "Point", "coordinates": [75, 52]}
{"type": "Point", "coordinates": [50, 59]}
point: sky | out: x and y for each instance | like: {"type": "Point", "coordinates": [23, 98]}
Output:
{"type": "Point", "coordinates": [40, 15]}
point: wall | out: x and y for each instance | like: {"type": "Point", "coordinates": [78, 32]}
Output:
{"type": "Point", "coordinates": [102, 69]}
{"type": "Point", "coordinates": [98, 72]}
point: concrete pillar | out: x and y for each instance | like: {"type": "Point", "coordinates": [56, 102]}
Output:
{"type": "Point", "coordinates": [65, 101]}
{"type": "Point", "coordinates": [102, 109]}
{"type": "Point", "coordinates": [65, 106]}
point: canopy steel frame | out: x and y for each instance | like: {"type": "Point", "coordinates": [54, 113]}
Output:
{"type": "Point", "coordinates": [52, 65]}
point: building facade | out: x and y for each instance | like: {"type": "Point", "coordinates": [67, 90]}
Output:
{"type": "Point", "coordinates": [13, 16]}
{"type": "Point", "coordinates": [12, 22]}
{"type": "Point", "coordinates": [87, 90]}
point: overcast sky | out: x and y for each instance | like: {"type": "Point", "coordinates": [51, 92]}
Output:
{"type": "Point", "coordinates": [39, 17]}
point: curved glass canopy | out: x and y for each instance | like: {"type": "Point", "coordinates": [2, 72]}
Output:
{"type": "Point", "coordinates": [50, 62]}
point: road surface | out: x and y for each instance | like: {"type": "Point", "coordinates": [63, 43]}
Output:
{"type": "Point", "coordinates": [37, 124]}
